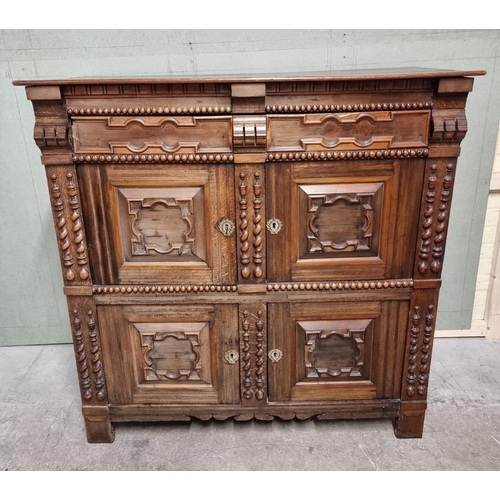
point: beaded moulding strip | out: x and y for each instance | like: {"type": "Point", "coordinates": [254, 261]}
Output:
{"type": "Point", "coordinates": [178, 158]}
{"type": "Point", "coordinates": [372, 154]}
{"type": "Point", "coordinates": [208, 110]}
{"type": "Point", "coordinates": [329, 108]}
{"type": "Point", "coordinates": [134, 289]}
{"type": "Point", "coordinates": [339, 285]}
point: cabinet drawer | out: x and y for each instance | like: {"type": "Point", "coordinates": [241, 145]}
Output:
{"type": "Point", "coordinates": [152, 135]}
{"type": "Point", "coordinates": [348, 131]}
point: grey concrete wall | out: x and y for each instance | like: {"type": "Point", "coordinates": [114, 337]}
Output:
{"type": "Point", "coordinates": [32, 306]}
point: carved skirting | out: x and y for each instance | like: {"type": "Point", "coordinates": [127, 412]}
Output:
{"type": "Point", "coordinates": [339, 285]}
{"type": "Point", "coordinates": [149, 289]}
{"type": "Point", "coordinates": [372, 154]}
{"type": "Point", "coordinates": [378, 408]}
{"type": "Point", "coordinates": [325, 108]}
{"type": "Point", "coordinates": [244, 417]}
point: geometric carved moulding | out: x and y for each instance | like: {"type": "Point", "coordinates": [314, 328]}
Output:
{"type": "Point", "coordinates": [162, 224]}
{"type": "Point", "coordinates": [122, 135]}
{"type": "Point", "coordinates": [346, 131]}
{"type": "Point", "coordinates": [342, 218]}
{"type": "Point", "coordinates": [172, 352]}
{"type": "Point", "coordinates": [334, 349]}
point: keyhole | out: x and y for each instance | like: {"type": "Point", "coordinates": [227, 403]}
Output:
{"type": "Point", "coordinates": [275, 355]}
{"type": "Point", "coordinates": [226, 227]}
{"type": "Point", "coordinates": [231, 357]}
{"type": "Point", "coordinates": [274, 226]}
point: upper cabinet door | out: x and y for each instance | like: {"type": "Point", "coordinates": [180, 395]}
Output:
{"type": "Point", "coordinates": [342, 220]}
{"type": "Point", "coordinates": [160, 223]}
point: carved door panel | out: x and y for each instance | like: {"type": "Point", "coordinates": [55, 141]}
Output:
{"type": "Point", "coordinates": [331, 351]}
{"type": "Point", "coordinates": [171, 354]}
{"type": "Point", "coordinates": [161, 223]}
{"type": "Point", "coordinates": [343, 220]}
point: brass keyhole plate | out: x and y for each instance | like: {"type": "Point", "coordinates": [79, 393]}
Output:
{"type": "Point", "coordinates": [275, 355]}
{"type": "Point", "coordinates": [274, 226]}
{"type": "Point", "coordinates": [226, 227]}
{"type": "Point", "coordinates": [231, 356]}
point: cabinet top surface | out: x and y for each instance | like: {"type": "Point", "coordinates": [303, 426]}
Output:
{"type": "Point", "coordinates": [359, 74]}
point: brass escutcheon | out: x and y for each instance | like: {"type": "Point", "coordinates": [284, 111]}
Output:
{"type": "Point", "coordinates": [274, 226]}
{"type": "Point", "coordinates": [231, 356]}
{"type": "Point", "coordinates": [226, 227]}
{"type": "Point", "coordinates": [275, 355]}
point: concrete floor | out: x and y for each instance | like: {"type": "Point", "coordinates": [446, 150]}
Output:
{"type": "Point", "coordinates": [41, 427]}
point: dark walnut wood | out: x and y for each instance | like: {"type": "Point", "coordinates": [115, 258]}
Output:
{"type": "Point", "coordinates": [252, 247]}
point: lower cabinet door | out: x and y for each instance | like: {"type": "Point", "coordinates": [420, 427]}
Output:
{"type": "Point", "coordinates": [335, 351]}
{"type": "Point", "coordinates": [170, 353]}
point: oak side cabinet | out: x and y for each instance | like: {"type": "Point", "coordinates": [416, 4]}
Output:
{"type": "Point", "coordinates": [252, 247]}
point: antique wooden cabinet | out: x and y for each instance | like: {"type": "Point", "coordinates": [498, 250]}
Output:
{"type": "Point", "coordinates": [252, 247]}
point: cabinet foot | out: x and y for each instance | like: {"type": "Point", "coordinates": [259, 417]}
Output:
{"type": "Point", "coordinates": [410, 421]}
{"type": "Point", "coordinates": [98, 424]}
